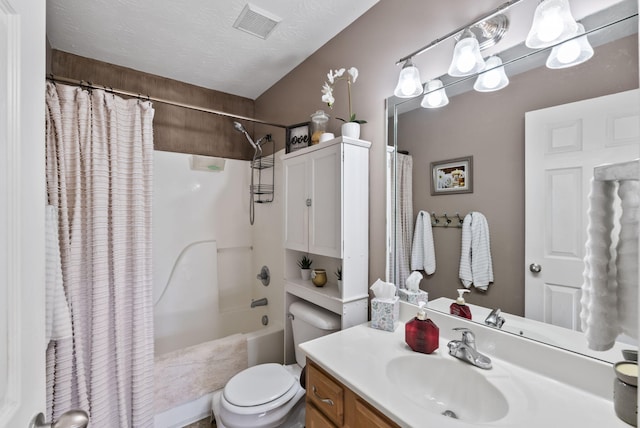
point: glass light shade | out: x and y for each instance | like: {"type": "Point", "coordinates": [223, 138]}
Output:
{"type": "Point", "coordinates": [409, 83]}
{"type": "Point", "coordinates": [552, 23]}
{"type": "Point", "coordinates": [435, 95]}
{"type": "Point", "coordinates": [572, 52]}
{"type": "Point", "coordinates": [494, 78]}
{"type": "Point", "coordinates": [466, 59]}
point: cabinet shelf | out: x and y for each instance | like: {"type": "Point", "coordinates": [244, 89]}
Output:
{"type": "Point", "coordinates": [327, 296]}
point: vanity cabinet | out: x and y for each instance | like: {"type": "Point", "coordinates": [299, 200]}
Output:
{"type": "Point", "coordinates": [332, 404]}
{"type": "Point", "coordinates": [326, 217]}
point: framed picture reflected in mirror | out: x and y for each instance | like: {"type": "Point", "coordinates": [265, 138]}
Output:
{"type": "Point", "coordinates": [452, 176]}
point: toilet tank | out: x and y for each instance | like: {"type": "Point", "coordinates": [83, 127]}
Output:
{"type": "Point", "coordinates": [310, 322]}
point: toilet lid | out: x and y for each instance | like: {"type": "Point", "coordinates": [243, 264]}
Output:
{"type": "Point", "coordinates": [258, 385]}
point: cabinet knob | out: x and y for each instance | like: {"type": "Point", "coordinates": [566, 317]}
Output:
{"type": "Point", "coordinates": [308, 202]}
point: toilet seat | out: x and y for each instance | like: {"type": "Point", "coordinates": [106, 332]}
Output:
{"type": "Point", "coordinates": [245, 395]}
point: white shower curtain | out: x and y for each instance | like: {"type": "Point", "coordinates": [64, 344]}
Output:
{"type": "Point", "coordinates": [99, 151]}
{"type": "Point", "coordinates": [403, 219]}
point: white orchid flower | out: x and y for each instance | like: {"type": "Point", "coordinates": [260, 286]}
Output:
{"type": "Point", "coordinates": [353, 72]}
{"type": "Point", "coordinates": [327, 96]}
{"type": "Point", "coordinates": [330, 77]}
{"type": "Point", "coordinates": [339, 73]}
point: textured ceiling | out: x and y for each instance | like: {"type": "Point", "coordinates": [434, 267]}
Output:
{"type": "Point", "coordinates": [194, 41]}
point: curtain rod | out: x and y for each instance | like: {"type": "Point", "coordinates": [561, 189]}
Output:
{"type": "Point", "coordinates": [85, 84]}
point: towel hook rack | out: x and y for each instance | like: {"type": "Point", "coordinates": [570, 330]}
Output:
{"type": "Point", "coordinates": [445, 221]}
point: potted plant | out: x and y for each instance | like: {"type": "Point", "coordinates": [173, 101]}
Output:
{"type": "Point", "coordinates": [305, 267]}
{"type": "Point", "coordinates": [351, 126]}
{"type": "Point", "coordinates": [338, 273]}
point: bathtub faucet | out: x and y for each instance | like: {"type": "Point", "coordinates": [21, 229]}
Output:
{"type": "Point", "coordinates": [259, 302]}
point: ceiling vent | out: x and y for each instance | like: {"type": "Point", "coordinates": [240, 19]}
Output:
{"type": "Point", "coordinates": [256, 21]}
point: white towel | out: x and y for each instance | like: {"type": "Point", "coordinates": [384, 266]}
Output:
{"type": "Point", "coordinates": [423, 254]}
{"type": "Point", "coordinates": [599, 314]}
{"type": "Point", "coordinates": [627, 257]}
{"type": "Point", "coordinates": [476, 266]}
{"type": "Point", "coordinates": [58, 317]}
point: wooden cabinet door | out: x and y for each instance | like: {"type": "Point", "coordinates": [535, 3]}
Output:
{"type": "Point", "coordinates": [315, 419]}
{"type": "Point", "coordinates": [296, 215]}
{"type": "Point", "coordinates": [325, 213]}
{"type": "Point", "coordinates": [364, 416]}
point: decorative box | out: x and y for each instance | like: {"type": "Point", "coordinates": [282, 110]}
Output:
{"type": "Point", "coordinates": [385, 313]}
{"type": "Point", "coordinates": [413, 297]}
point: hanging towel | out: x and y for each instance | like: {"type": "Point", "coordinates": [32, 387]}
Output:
{"type": "Point", "coordinates": [423, 254]}
{"type": "Point", "coordinates": [627, 257]}
{"type": "Point", "coordinates": [599, 314]}
{"type": "Point", "coordinates": [476, 266]}
{"type": "Point", "coordinates": [58, 317]}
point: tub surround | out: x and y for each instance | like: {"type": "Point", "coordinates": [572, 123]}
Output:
{"type": "Point", "coordinates": [542, 385]}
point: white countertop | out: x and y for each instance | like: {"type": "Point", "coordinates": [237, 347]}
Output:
{"type": "Point", "coordinates": [358, 357]}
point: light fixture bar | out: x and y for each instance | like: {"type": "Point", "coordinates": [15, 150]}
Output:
{"type": "Point", "coordinates": [503, 7]}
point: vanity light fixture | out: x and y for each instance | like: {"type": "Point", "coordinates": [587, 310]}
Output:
{"type": "Point", "coordinates": [494, 78]}
{"type": "Point", "coordinates": [435, 96]}
{"type": "Point", "coordinates": [467, 59]}
{"type": "Point", "coordinates": [572, 52]}
{"type": "Point", "coordinates": [409, 83]}
{"type": "Point", "coordinates": [552, 24]}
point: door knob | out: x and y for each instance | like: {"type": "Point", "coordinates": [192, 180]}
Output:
{"type": "Point", "coordinates": [535, 268]}
{"type": "Point", "coordinates": [70, 419]}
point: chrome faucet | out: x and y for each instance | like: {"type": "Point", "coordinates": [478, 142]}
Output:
{"type": "Point", "coordinates": [465, 349]}
{"type": "Point", "coordinates": [494, 319]}
{"type": "Point", "coordinates": [259, 302]}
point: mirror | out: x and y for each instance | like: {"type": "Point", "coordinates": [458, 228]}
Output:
{"type": "Point", "coordinates": [490, 127]}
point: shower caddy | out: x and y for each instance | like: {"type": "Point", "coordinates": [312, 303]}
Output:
{"type": "Point", "coordinates": [262, 192]}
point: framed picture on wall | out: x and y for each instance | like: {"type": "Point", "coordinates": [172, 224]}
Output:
{"type": "Point", "coordinates": [452, 176]}
{"type": "Point", "coordinates": [297, 137]}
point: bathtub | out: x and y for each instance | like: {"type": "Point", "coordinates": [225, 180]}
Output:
{"type": "Point", "coordinates": [264, 345]}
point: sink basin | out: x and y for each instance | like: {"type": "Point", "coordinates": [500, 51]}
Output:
{"type": "Point", "coordinates": [442, 385]}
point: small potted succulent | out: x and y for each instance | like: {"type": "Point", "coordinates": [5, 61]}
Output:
{"type": "Point", "coordinates": [338, 274]}
{"type": "Point", "coordinates": [305, 267]}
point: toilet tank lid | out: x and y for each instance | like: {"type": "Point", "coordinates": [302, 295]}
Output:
{"type": "Point", "coordinates": [315, 315]}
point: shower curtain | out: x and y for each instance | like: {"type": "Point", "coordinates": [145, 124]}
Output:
{"type": "Point", "coordinates": [403, 217]}
{"type": "Point", "coordinates": [99, 150]}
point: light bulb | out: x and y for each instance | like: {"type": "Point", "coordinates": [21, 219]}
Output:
{"type": "Point", "coordinates": [434, 98]}
{"type": "Point", "coordinates": [553, 25]}
{"type": "Point", "coordinates": [568, 52]}
{"type": "Point", "coordinates": [494, 78]}
{"type": "Point", "coordinates": [409, 83]}
{"type": "Point", "coordinates": [466, 60]}
{"type": "Point", "coordinates": [435, 95]}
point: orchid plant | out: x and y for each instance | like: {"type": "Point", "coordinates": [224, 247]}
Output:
{"type": "Point", "coordinates": [327, 90]}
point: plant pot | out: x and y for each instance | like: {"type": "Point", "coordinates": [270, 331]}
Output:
{"type": "Point", "coordinates": [305, 274]}
{"type": "Point", "coordinates": [340, 287]}
{"type": "Point", "coordinates": [351, 130]}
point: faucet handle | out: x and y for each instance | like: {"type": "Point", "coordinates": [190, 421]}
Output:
{"type": "Point", "coordinates": [468, 338]}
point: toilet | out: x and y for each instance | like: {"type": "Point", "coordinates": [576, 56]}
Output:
{"type": "Point", "coordinates": [270, 395]}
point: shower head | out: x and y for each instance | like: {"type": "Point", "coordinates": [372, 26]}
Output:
{"type": "Point", "coordinates": [238, 126]}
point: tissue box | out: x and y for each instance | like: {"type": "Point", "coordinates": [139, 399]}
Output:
{"type": "Point", "coordinates": [413, 297]}
{"type": "Point", "coordinates": [385, 313]}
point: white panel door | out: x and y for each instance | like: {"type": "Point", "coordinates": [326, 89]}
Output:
{"type": "Point", "coordinates": [325, 222]}
{"type": "Point", "coordinates": [22, 203]}
{"type": "Point", "coordinates": [563, 145]}
{"type": "Point", "coordinates": [296, 194]}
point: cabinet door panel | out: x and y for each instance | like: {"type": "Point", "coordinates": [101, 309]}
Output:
{"type": "Point", "coordinates": [325, 219]}
{"type": "Point", "coordinates": [315, 419]}
{"type": "Point", "coordinates": [296, 222]}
